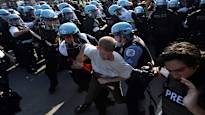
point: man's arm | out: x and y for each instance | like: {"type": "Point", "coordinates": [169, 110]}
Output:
{"type": "Point", "coordinates": [16, 33]}
{"type": "Point", "coordinates": [191, 99]}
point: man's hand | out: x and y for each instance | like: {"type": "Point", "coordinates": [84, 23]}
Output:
{"type": "Point", "coordinates": [190, 100]}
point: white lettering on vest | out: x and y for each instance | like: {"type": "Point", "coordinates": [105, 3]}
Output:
{"type": "Point", "coordinates": [174, 96]}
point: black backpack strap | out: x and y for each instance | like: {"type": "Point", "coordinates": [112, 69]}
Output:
{"type": "Point", "coordinates": [138, 40]}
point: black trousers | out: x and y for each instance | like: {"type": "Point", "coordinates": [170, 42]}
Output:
{"type": "Point", "coordinates": [51, 59]}
{"type": "Point", "coordinates": [82, 78]}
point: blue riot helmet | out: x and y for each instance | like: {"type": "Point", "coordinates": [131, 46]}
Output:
{"type": "Point", "coordinates": [173, 4]}
{"type": "Point", "coordinates": [122, 13]}
{"type": "Point", "coordinates": [49, 19]}
{"type": "Point", "coordinates": [122, 29]}
{"type": "Point", "coordinates": [139, 10]}
{"type": "Point", "coordinates": [68, 28]}
{"type": "Point", "coordinates": [117, 10]}
{"type": "Point", "coordinates": [124, 3]}
{"type": "Point", "coordinates": [12, 11]}
{"type": "Point", "coordinates": [64, 5]}
{"type": "Point", "coordinates": [68, 14]}
{"type": "Point", "coordinates": [15, 20]}
{"type": "Point", "coordinates": [37, 6]}
{"type": "Point", "coordinates": [161, 3]}
{"type": "Point", "coordinates": [37, 13]}
{"type": "Point", "coordinates": [28, 9]}
{"type": "Point", "coordinates": [70, 44]}
{"type": "Point", "coordinates": [20, 9]}
{"type": "Point", "coordinates": [113, 8]}
{"type": "Point", "coordinates": [91, 11]}
{"type": "Point", "coordinates": [45, 6]}
{"type": "Point", "coordinates": [4, 14]}
{"type": "Point", "coordinates": [99, 6]}
{"type": "Point", "coordinates": [202, 3]}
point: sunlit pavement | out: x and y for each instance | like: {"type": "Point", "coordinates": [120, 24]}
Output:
{"type": "Point", "coordinates": [37, 101]}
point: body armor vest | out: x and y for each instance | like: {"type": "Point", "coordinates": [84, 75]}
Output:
{"type": "Point", "coordinates": [172, 98]}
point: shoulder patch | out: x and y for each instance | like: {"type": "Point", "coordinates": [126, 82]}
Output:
{"type": "Point", "coordinates": [130, 52]}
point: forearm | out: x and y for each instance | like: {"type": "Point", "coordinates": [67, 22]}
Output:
{"type": "Point", "coordinates": [104, 27]}
{"type": "Point", "coordinates": [17, 34]}
{"type": "Point", "coordinates": [197, 110]}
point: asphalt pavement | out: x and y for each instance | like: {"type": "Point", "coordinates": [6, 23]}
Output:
{"type": "Point", "coordinates": [37, 101]}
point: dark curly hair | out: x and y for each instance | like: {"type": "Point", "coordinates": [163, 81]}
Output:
{"type": "Point", "coordinates": [186, 52]}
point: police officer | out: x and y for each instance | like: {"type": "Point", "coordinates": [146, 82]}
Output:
{"type": "Point", "coordinates": [68, 15]}
{"type": "Point", "coordinates": [164, 26]}
{"type": "Point", "coordinates": [142, 23]}
{"type": "Point", "coordinates": [20, 10]}
{"type": "Point", "coordinates": [65, 5]}
{"type": "Point", "coordinates": [49, 30]}
{"type": "Point", "coordinates": [28, 14]}
{"type": "Point", "coordinates": [196, 23]}
{"type": "Point", "coordinates": [184, 88]}
{"type": "Point", "coordinates": [173, 5]}
{"type": "Point", "coordinates": [134, 52]}
{"type": "Point", "coordinates": [4, 33]}
{"type": "Point", "coordinates": [125, 4]}
{"type": "Point", "coordinates": [23, 49]}
{"type": "Point", "coordinates": [93, 24]}
{"type": "Point", "coordinates": [99, 6]}
{"type": "Point", "coordinates": [123, 14]}
{"type": "Point", "coordinates": [73, 39]}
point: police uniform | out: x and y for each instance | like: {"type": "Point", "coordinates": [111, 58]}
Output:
{"type": "Point", "coordinates": [5, 35]}
{"type": "Point", "coordinates": [136, 55]}
{"type": "Point", "coordinates": [92, 26]}
{"type": "Point", "coordinates": [196, 24]}
{"type": "Point", "coordinates": [82, 76]}
{"type": "Point", "coordinates": [24, 48]}
{"type": "Point", "coordinates": [51, 56]}
{"type": "Point", "coordinates": [164, 26]}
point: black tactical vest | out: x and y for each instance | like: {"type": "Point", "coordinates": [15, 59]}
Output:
{"type": "Point", "coordinates": [25, 36]}
{"type": "Point", "coordinates": [174, 92]}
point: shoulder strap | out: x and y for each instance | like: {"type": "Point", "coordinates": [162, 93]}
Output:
{"type": "Point", "coordinates": [141, 42]}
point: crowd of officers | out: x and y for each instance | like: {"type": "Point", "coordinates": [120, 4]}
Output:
{"type": "Point", "coordinates": [61, 33]}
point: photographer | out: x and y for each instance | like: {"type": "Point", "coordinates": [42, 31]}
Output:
{"type": "Point", "coordinates": [184, 89]}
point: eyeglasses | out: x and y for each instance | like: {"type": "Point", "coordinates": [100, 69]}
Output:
{"type": "Point", "coordinates": [181, 69]}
